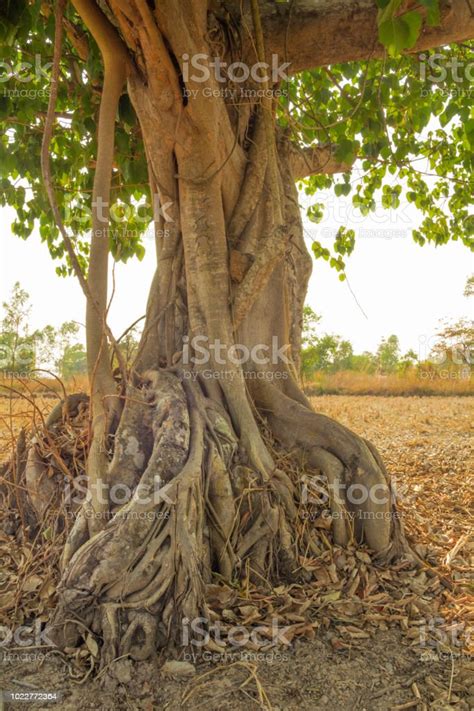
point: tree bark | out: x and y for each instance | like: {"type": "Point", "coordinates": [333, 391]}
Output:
{"type": "Point", "coordinates": [232, 272]}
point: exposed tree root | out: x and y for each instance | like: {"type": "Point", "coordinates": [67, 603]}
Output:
{"type": "Point", "coordinates": [357, 478]}
{"type": "Point", "coordinates": [196, 509]}
{"type": "Point", "coordinates": [184, 487]}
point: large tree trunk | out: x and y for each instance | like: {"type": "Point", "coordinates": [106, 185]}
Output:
{"type": "Point", "coordinates": [198, 444]}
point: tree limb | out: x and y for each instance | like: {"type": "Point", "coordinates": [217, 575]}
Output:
{"type": "Point", "coordinates": [46, 170]}
{"type": "Point", "coordinates": [312, 33]}
{"type": "Point", "coordinates": [314, 160]}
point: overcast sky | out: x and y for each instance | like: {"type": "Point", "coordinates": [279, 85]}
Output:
{"type": "Point", "coordinates": [396, 286]}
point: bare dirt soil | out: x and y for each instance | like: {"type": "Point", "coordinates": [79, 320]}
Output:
{"type": "Point", "coordinates": [377, 674]}
{"type": "Point", "coordinates": [427, 445]}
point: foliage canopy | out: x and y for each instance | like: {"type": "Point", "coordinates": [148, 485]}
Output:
{"type": "Point", "coordinates": [405, 121]}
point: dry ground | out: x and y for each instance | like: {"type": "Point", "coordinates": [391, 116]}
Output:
{"type": "Point", "coordinates": [424, 381]}
{"type": "Point", "coordinates": [427, 445]}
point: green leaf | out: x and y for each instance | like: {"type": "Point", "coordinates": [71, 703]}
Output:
{"type": "Point", "coordinates": [413, 21]}
{"type": "Point", "coordinates": [469, 131]}
{"type": "Point", "coordinates": [346, 151]}
{"type": "Point", "coordinates": [388, 10]}
{"type": "Point", "coordinates": [399, 33]}
{"type": "Point", "coordinates": [433, 15]}
{"type": "Point", "coordinates": [126, 111]}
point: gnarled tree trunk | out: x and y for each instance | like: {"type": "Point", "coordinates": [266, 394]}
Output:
{"type": "Point", "coordinates": [198, 443]}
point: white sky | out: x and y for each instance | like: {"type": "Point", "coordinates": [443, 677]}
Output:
{"type": "Point", "coordinates": [402, 288]}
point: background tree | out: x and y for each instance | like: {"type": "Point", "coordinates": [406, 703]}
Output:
{"type": "Point", "coordinates": [469, 288]}
{"type": "Point", "coordinates": [73, 361]}
{"type": "Point", "coordinates": [70, 357]}
{"type": "Point", "coordinates": [407, 361]}
{"type": "Point", "coordinates": [136, 95]}
{"type": "Point", "coordinates": [364, 362]}
{"type": "Point", "coordinates": [388, 354]}
{"type": "Point", "coordinates": [17, 345]}
{"type": "Point", "coordinates": [310, 324]}
{"type": "Point", "coordinates": [22, 351]}
{"type": "Point", "coordinates": [455, 344]}
{"type": "Point", "coordinates": [327, 353]}
{"type": "Point", "coordinates": [129, 344]}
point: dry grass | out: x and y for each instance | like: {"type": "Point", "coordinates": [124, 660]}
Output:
{"type": "Point", "coordinates": [42, 384]}
{"type": "Point", "coordinates": [16, 413]}
{"type": "Point", "coordinates": [345, 382]}
{"type": "Point", "coordinates": [25, 402]}
{"type": "Point", "coordinates": [426, 443]}
{"type": "Point", "coordinates": [423, 382]}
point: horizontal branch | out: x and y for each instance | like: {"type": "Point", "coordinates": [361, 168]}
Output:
{"type": "Point", "coordinates": [315, 160]}
{"type": "Point", "coordinates": [312, 33]}
{"type": "Point", "coordinates": [76, 36]}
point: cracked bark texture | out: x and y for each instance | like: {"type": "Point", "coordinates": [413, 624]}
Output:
{"type": "Point", "coordinates": [232, 267]}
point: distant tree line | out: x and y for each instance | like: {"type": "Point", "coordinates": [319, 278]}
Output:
{"type": "Point", "coordinates": [23, 351]}
{"type": "Point", "coordinates": [59, 349]}
{"type": "Point", "coordinates": [453, 349]}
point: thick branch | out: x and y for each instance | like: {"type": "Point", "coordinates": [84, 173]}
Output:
{"type": "Point", "coordinates": [116, 64]}
{"type": "Point", "coordinates": [77, 38]}
{"type": "Point", "coordinates": [111, 46]}
{"type": "Point", "coordinates": [115, 58]}
{"type": "Point", "coordinates": [311, 33]}
{"type": "Point", "coordinates": [314, 160]}
{"type": "Point", "coordinates": [46, 170]}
